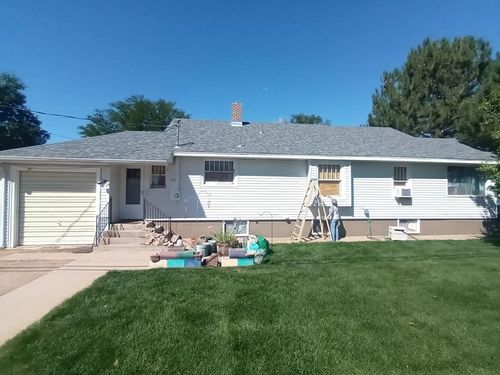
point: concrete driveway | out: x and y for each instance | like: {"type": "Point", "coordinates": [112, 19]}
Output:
{"type": "Point", "coordinates": [16, 273]}
{"type": "Point", "coordinates": [35, 280]}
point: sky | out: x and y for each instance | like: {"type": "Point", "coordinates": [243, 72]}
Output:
{"type": "Point", "coordinates": [277, 57]}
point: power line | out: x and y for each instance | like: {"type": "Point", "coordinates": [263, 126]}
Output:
{"type": "Point", "coordinates": [63, 136]}
{"type": "Point", "coordinates": [43, 113]}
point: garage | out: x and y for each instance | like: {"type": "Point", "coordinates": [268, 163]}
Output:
{"type": "Point", "coordinates": [57, 208]}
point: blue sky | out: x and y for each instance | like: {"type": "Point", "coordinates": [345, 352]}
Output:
{"type": "Point", "coordinates": [276, 57]}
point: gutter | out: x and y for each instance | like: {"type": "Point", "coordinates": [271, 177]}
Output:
{"type": "Point", "coordinates": [18, 159]}
{"type": "Point", "coordinates": [322, 157]}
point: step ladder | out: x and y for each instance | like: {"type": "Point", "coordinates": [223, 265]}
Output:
{"type": "Point", "coordinates": [312, 198]}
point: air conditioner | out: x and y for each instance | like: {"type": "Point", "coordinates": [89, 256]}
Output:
{"type": "Point", "coordinates": [402, 192]}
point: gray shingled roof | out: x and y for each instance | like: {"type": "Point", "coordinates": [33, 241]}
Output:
{"type": "Point", "coordinates": [201, 136]}
{"type": "Point", "coordinates": [128, 145]}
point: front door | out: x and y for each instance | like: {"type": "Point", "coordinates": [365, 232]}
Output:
{"type": "Point", "coordinates": [132, 194]}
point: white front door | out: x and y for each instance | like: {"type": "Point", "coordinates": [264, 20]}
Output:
{"type": "Point", "coordinates": [131, 193]}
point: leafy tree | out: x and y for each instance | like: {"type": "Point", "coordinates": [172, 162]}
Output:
{"type": "Point", "coordinates": [19, 127]}
{"type": "Point", "coordinates": [301, 118]}
{"type": "Point", "coordinates": [435, 91]}
{"type": "Point", "coordinates": [490, 122]}
{"type": "Point", "coordinates": [133, 113]}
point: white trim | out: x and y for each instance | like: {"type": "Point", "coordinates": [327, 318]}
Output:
{"type": "Point", "coordinates": [320, 157]}
{"type": "Point", "coordinates": [14, 206]}
{"type": "Point", "coordinates": [21, 159]}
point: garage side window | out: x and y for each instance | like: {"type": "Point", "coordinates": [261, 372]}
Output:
{"type": "Point", "coordinates": [329, 179]}
{"type": "Point", "coordinates": [158, 173]}
{"type": "Point", "coordinates": [219, 171]}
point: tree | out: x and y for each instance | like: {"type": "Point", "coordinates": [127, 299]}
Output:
{"type": "Point", "coordinates": [435, 91]}
{"type": "Point", "coordinates": [301, 118]}
{"type": "Point", "coordinates": [19, 127]}
{"type": "Point", "coordinates": [133, 113]}
{"type": "Point", "coordinates": [476, 127]}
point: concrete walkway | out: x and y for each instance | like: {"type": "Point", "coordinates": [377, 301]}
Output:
{"type": "Point", "coordinates": [50, 286]}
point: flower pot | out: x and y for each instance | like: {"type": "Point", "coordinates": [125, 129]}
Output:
{"type": "Point", "coordinates": [223, 249]}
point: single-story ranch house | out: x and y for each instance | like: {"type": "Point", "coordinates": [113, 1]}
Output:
{"type": "Point", "coordinates": [204, 175]}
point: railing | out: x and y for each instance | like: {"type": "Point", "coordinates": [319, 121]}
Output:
{"type": "Point", "coordinates": [153, 213]}
{"type": "Point", "coordinates": [102, 221]}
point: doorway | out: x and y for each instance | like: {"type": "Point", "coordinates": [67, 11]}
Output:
{"type": "Point", "coordinates": [132, 194]}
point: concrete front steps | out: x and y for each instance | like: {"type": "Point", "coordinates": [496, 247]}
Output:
{"type": "Point", "coordinates": [125, 235]}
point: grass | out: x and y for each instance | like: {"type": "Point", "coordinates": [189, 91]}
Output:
{"type": "Point", "coordinates": [346, 308]}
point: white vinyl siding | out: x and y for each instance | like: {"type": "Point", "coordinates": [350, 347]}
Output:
{"type": "Point", "coordinates": [57, 208]}
{"type": "Point", "coordinates": [373, 190]}
{"type": "Point", "coordinates": [261, 187]}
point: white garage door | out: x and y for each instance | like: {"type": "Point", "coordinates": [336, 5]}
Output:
{"type": "Point", "coordinates": [57, 208]}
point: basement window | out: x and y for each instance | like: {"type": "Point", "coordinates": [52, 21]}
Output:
{"type": "Point", "coordinates": [410, 225]}
{"type": "Point", "coordinates": [329, 179]}
{"type": "Point", "coordinates": [238, 227]}
{"type": "Point", "coordinates": [219, 171]}
{"type": "Point", "coordinates": [158, 174]}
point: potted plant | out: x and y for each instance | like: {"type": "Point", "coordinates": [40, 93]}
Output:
{"type": "Point", "coordinates": [225, 240]}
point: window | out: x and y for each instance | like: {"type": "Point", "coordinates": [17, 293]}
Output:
{"type": "Point", "coordinates": [400, 174]}
{"type": "Point", "coordinates": [238, 227]}
{"type": "Point", "coordinates": [219, 171]}
{"type": "Point", "coordinates": [465, 181]}
{"type": "Point", "coordinates": [158, 173]}
{"type": "Point", "coordinates": [410, 225]}
{"type": "Point", "coordinates": [329, 179]}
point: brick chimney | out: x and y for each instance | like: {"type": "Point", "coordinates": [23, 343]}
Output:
{"type": "Point", "coordinates": [236, 114]}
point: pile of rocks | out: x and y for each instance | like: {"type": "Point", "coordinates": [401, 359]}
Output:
{"type": "Point", "coordinates": [156, 235]}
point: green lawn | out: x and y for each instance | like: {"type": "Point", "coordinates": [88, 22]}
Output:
{"type": "Point", "coordinates": [363, 308]}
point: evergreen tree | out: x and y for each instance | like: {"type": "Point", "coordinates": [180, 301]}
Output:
{"type": "Point", "coordinates": [435, 91]}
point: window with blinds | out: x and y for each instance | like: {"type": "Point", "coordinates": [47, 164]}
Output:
{"type": "Point", "coordinates": [219, 171]}
{"type": "Point", "coordinates": [158, 176]}
{"type": "Point", "coordinates": [329, 179]}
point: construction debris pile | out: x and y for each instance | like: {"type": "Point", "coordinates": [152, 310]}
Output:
{"type": "Point", "coordinates": [157, 236]}
{"type": "Point", "coordinates": [206, 251]}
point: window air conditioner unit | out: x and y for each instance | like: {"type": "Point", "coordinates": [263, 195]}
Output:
{"type": "Point", "coordinates": [403, 193]}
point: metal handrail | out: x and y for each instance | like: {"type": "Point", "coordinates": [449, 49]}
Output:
{"type": "Point", "coordinates": [102, 221]}
{"type": "Point", "coordinates": [151, 212]}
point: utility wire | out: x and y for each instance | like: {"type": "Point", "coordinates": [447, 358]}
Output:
{"type": "Point", "coordinates": [165, 126]}
{"type": "Point", "coordinates": [44, 113]}
{"type": "Point", "coordinates": [63, 136]}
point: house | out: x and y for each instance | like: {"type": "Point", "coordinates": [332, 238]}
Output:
{"type": "Point", "coordinates": [252, 177]}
